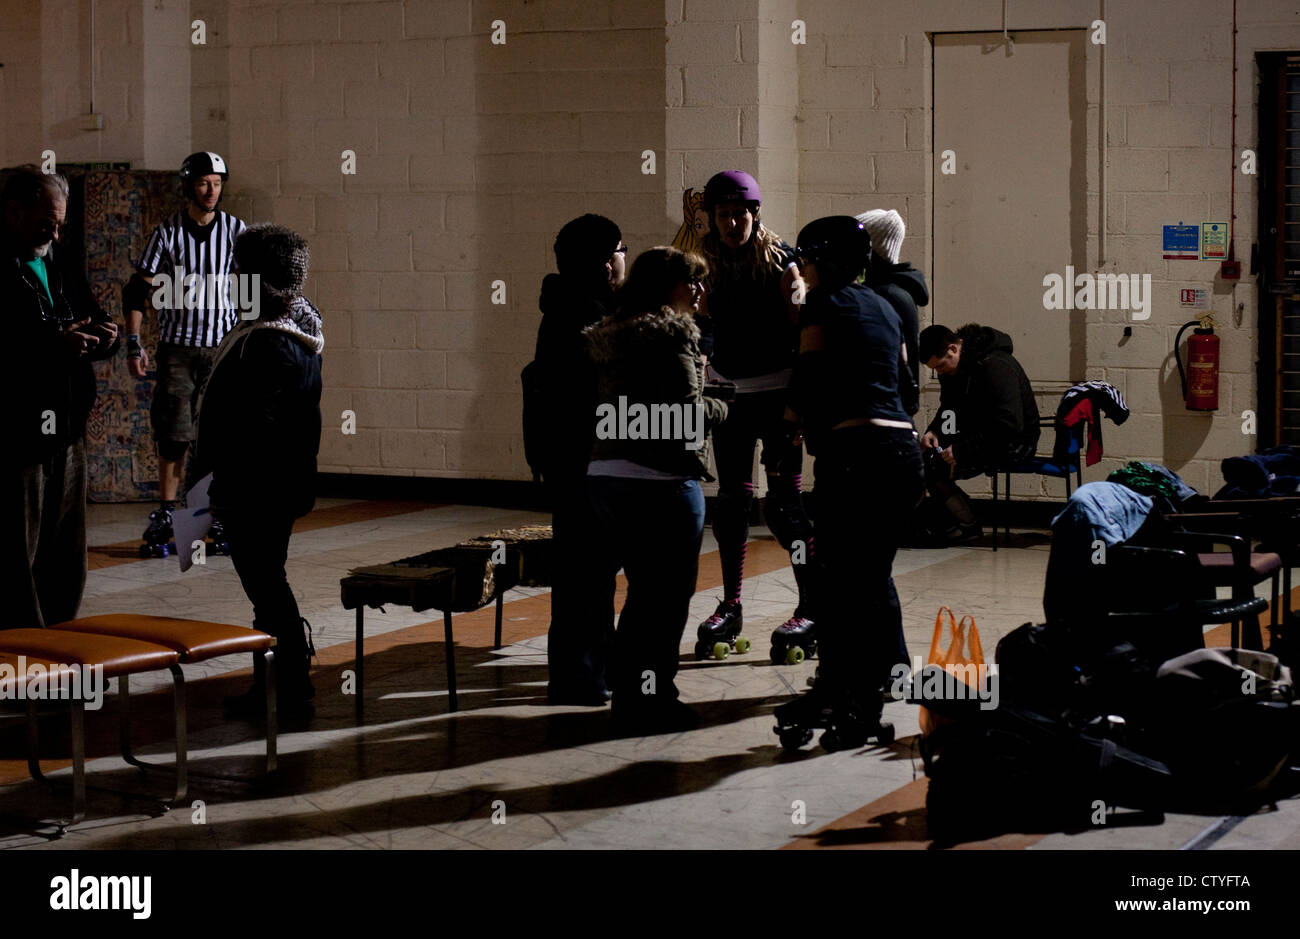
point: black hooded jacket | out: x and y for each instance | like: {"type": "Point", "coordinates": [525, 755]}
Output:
{"type": "Point", "coordinates": [903, 288]}
{"type": "Point", "coordinates": [560, 382]}
{"type": "Point", "coordinates": [48, 387]}
{"type": "Point", "coordinates": [994, 405]}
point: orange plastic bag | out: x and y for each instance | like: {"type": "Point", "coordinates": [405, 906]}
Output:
{"type": "Point", "coordinates": [963, 659]}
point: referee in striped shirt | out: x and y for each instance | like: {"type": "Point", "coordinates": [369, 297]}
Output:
{"type": "Point", "coordinates": [200, 241]}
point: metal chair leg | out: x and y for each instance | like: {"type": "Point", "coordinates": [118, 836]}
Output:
{"type": "Point", "coordinates": [451, 660]}
{"type": "Point", "coordinates": [997, 515]}
{"type": "Point", "coordinates": [182, 736]}
{"type": "Point", "coordinates": [1274, 617]}
{"type": "Point", "coordinates": [1006, 527]}
{"type": "Point", "coordinates": [78, 727]}
{"type": "Point", "coordinates": [180, 768]}
{"type": "Point", "coordinates": [78, 731]}
{"type": "Point", "coordinates": [268, 657]}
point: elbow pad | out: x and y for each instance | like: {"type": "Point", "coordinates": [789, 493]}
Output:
{"type": "Point", "coordinates": [135, 294]}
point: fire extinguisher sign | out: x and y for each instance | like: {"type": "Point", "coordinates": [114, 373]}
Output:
{"type": "Point", "coordinates": [1214, 241]}
{"type": "Point", "coordinates": [1194, 298]}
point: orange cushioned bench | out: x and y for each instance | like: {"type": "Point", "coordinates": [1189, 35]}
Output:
{"type": "Point", "coordinates": [126, 644]}
{"type": "Point", "coordinates": [118, 658]}
{"type": "Point", "coordinates": [195, 641]}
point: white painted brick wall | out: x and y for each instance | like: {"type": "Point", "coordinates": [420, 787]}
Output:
{"type": "Point", "coordinates": [470, 156]}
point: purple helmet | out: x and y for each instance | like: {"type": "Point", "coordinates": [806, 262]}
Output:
{"type": "Point", "coordinates": [731, 186]}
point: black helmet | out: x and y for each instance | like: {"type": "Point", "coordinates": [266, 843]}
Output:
{"type": "Point", "coordinates": [203, 163]}
{"type": "Point", "coordinates": [839, 245]}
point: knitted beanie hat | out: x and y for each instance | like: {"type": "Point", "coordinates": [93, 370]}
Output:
{"type": "Point", "coordinates": [585, 244]}
{"type": "Point", "coordinates": [887, 230]}
{"type": "Point", "coordinates": [278, 255]}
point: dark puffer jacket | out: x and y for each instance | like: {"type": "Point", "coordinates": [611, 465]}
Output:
{"type": "Point", "coordinates": [903, 288]}
{"type": "Point", "coordinates": [653, 360]}
{"type": "Point", "coordinates": [260, 420]}
{"type": "Point", "coordinates": [996, 412]}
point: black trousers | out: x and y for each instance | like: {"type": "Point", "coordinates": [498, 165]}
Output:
{"type": "Point", "coordinates": [259, 547]}
{"type": "Point", "coordinates": [582, 590]}
{"type": "Point", "coordinates": [868, 482]}
{"type": "Point", "coordinates": [43, 539]}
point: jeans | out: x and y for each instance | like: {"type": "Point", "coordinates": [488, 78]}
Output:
{"type": "Point", "coordinates": [653, 530]}
{"type": "Point", "coordinates": [869, 480]}
{"type": "Point", "coordinates": [43, 539]}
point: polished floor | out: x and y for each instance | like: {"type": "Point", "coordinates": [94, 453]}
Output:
{"type": "Point", "coordinates": [508, 771]}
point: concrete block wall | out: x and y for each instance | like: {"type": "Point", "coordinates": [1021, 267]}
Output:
{"type": "Point", "coordinates": [864, 126]}
{"type": "Point", "coordinates": [58, 63]}
{"type": "Point", "coordinates": [470, 155]}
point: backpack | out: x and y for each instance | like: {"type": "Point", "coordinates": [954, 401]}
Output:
{"type": "Point", "coordinates": [1227, 723]}
{"type": "Point", "coordinates": [535, 418]}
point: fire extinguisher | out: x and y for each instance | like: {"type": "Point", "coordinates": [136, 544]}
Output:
{"type": "Point", "coordinates": [1201, 377]}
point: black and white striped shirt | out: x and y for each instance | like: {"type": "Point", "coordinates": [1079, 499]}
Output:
{"type": "Point", "coordinates": [179, 248]}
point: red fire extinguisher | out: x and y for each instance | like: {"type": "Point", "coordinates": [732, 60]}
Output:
{"type": "Point", "coordinates": [1201, 377]}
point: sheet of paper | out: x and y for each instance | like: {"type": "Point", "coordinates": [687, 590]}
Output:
{"type": "Point", "coordinates": [192, 522]}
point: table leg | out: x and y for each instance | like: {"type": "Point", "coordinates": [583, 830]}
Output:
{"type": "Point", "coordinates": [451, 659]}
{"type": "Point", "coordinates": [360, 666]}
{"type": "Point", "coordinates": [497, 644]}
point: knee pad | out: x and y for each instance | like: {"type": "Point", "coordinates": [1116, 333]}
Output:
{"type": "Point", "coordinates": [173, 450]}
{"type": "Point", "coordinates": [787, 519]}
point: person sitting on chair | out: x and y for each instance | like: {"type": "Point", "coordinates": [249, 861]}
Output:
{"type": "Point", "coordinates": [987, 419]}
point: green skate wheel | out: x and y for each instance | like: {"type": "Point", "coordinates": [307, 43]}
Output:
{"type": "Point", "coordinates": [721, 650]}
{"type": "Point", "coordinates": [793, 655]}
{"type": "Point", "coordinates": [742, 645]}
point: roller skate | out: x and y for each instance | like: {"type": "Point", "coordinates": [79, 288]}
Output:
{"type": "Point", "coordinates": [719, 635]}
{"type": "Point", "coordinates": [219, 544]}
{"type": "Point", "coordinates": [794, 640]}
{"type": "Point", "coordinates": [158, 536]}
{"type": "Point", "coordinates": [846, 725]}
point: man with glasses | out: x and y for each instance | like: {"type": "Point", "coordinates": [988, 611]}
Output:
{"type": "Point", "coordinates": [559, 430]}
{"type": "Point", "coordinates": [56, 329]}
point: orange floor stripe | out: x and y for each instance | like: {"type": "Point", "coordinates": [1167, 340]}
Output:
{"type": "Point", "coordinates": [99, 557]}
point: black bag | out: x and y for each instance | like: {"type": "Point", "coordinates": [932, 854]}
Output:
{"type": "Point", "coordinates": [1227, 723]}
{"type": "Point", "coordinates": [1011, 769]}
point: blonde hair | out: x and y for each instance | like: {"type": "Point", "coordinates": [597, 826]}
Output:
{"type": "Point", "coordinates": [758, 256]}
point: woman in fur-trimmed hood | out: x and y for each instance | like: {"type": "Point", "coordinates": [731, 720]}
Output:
{"type": "Point", "coordinates": [259, 433]}
{"type": "Point", "coordinates": [652, 423]}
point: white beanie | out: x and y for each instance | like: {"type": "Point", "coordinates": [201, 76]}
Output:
{"type": "Point", "coordinates": [886, 229]}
